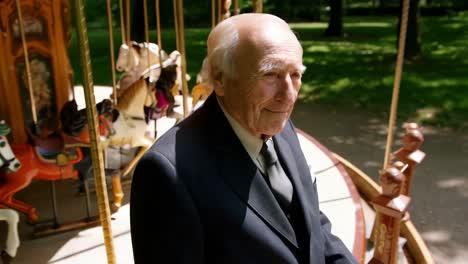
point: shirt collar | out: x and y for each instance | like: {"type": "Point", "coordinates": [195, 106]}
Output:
{"type": "Point", "coordinates": [252, 144]}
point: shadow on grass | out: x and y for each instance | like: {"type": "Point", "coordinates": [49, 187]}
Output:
{"type": "Point", "coordinates": [356, 70]}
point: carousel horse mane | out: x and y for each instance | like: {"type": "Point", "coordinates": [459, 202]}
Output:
{"type": "Point", "coordinates": [164, 98]}
{"type": "Point", "coordinates": [73, 121]}
{"type": "Point", "coordinates": [167, 78]}
{"type": "Point", "coordinates": [105, 106]}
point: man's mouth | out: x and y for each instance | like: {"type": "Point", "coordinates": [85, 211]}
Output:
{"type": "Point", "coordinates": [276, 111]}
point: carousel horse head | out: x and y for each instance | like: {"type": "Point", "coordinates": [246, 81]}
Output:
{"type": "Point", "coordinates": [128, 57]}
{"type": "Point", "coordinates": [139, 60]}
{"type": "Point", "coordinates": [138, 56]}
{"type": "Point", "coordinates": [8, 160]}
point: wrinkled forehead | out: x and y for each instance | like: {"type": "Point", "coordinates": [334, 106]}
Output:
{"type": "Point", "coordinates": [267, 45]}
{"type": "Point", "coordinates": [269, 38]}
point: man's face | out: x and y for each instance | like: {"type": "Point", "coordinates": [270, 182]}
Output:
{"type": "Point", "coordinates": [264, 88]}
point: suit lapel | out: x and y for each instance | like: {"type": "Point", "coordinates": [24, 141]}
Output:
{"type": "Point", "coordinates": [239, 171]}
{"type": "Point", "coordinates": [250, 186]}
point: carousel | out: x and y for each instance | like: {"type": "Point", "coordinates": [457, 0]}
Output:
{"type": "Point", "coordinates": [52, 130]}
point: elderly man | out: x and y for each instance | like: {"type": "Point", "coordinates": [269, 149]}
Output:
{"type": "Point", "coordinates": [230, 184]}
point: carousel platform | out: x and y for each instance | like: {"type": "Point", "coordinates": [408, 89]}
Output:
{"type": "Point", "coordinates": [338, 197]}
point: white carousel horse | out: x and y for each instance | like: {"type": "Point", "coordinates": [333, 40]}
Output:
{"type": "Point", "coordinates": [8, 163]}
{"type": "Point", "coordinates": [136, 106]}
{"type": "Point", "coordinates": [136, 59]}
{"type": "Point", "coordinates": [12, 240]}
{"type": "Point", "coordinates": [130, 124]}
{"type": "Point", "coordinates": [134, 62]}
{"type": "Point", "coordinates": [130, 129]}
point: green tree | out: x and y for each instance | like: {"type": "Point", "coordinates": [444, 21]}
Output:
{"type": "Point", "coordinates": [335, 24]}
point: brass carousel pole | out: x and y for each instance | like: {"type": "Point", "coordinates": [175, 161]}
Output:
{"type": "Point", "coordinates": [111, 47]}
{"type": "Point", "coordinates": [219, 15]}
{"type": "Point", "coordinates": [127, 24]}
{"type": "Point", "coordinates": [158, 28]}
{"type": "Point", "coordinates": [396, 83]}
{"type": "Point", "coordinates": [96, 147]}
{"type": "Point", "coordinates": [258, 6]}
{"type": "Point", "coordinates": [122, 23]}
{"type": "Point", "coordinates": [236, 7]}
{"type": "Point", "coordinates": [179, 24]}
{"type": "Point", "coordinates": [213, 13]}
{"type": "Point", "coordinates": [145, 15]}
{"type": "Point", "coordinates": [28, 68]}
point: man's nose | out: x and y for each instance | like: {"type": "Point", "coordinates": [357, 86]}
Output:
{"type": "Point", "coordinates": [287, 92]}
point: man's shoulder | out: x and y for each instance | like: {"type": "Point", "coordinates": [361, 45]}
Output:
{"type": "Point", "coordinates": [184, 136]}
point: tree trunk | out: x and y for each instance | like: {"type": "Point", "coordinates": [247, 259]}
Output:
{"type": "Point", "coordinates": [335, 26]}
{"type": "Point", "coordinates": [137, 22]}
{"type": "Point", "coordinates": [382, 4]}
{"type": "Point", "coordinates": [413, 39]}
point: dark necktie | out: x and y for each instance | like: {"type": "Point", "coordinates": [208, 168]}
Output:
{"type": "Point", "coordinates": [279, 182]}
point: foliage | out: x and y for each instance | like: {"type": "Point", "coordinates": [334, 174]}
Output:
{"type": "Point", "coordinates": [356, 71]}
{"type": "Point", "coordinates": [197, 13]}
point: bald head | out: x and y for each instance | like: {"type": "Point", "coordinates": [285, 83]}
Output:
{"type": "Point", "coordinates": [244, 26]}
{"type": "Point", "coordinates": [231, 39]}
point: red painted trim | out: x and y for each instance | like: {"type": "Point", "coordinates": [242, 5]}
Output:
{"type": "Point", "coordinates": [359, 249]}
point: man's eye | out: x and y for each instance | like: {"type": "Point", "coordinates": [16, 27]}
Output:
{"type": "Point", "coordinates": [270, 74]}
{"type": "Point", "coordinates": [296, 75]}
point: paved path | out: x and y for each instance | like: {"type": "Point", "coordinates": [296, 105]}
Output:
{"type": "Point", "coordinates": [439, 208]}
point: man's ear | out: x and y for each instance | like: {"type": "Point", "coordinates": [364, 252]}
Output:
{"type": "Point", "coordinates": [218, 83]}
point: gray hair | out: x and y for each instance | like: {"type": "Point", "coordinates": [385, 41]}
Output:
{"type": "Point", "coordinates": [222, 44]}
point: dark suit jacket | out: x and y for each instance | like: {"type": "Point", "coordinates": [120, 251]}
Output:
{"type": "Point", "coordinates": [197, 197]}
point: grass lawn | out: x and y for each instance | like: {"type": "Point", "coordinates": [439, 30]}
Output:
{"type": "Point", "coordinates": [355, 71]}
